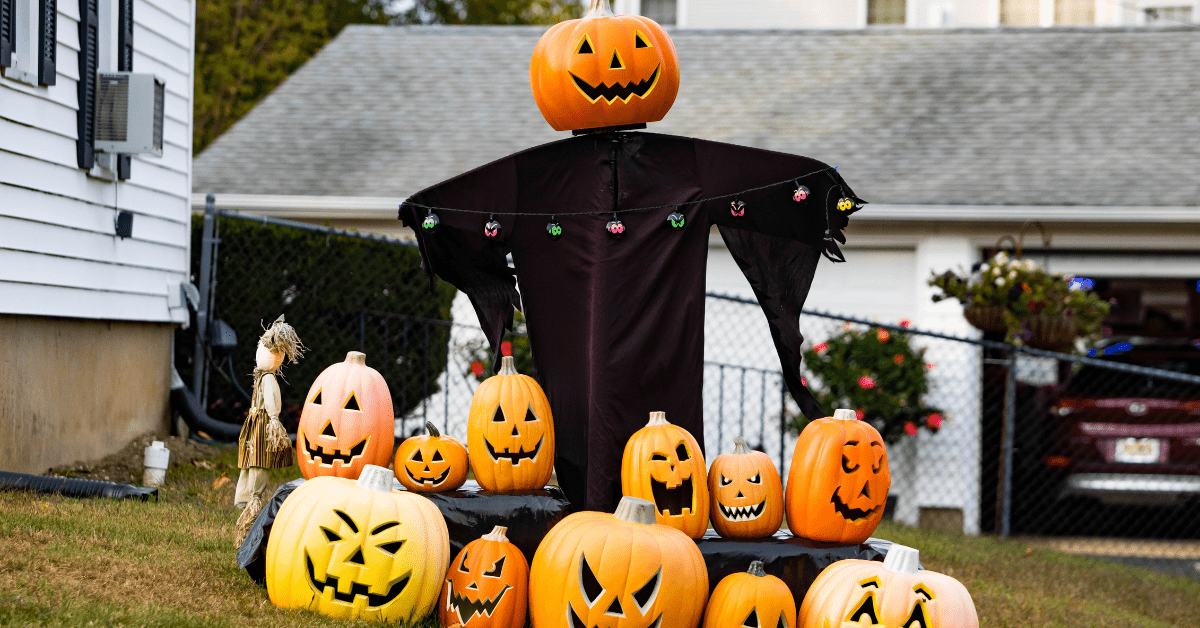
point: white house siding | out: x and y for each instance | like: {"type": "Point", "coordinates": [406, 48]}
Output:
{"type": "Point", "coordinates": [59, 255]}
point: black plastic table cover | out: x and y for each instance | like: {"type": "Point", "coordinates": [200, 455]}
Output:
{"type": "Point", "coordinates": [470, 513]}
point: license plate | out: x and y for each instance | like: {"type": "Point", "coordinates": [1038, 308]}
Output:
{"type": "Point", "coordinates": [1136, 450]}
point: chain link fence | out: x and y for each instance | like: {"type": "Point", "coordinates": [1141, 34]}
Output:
{"type": "Point", "coordinates": [1096, 455]}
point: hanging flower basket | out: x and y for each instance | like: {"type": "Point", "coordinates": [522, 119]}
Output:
{"type": "Point", "coordinates": [1051, 333]}
{"type": "Point", "coordinates": [986, 318]}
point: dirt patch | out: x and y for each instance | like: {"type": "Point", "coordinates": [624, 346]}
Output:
{"type": "Point", "coordinates": [126, 465]}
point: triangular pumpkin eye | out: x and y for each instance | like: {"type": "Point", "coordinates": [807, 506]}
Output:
{"type": "Point", "coordinates": [529, 415]}
{"type": "Point", "coordinates": [681, 452]}
{"type": "Point", "coordinates": [648, 593]}
{"type": "Point", "coordinates": [417, 456]}
{"type": "Point", "coordinates": [437, 457]}
{"type": "Point", "coordinates": [352, 403]}
{"type": "Point", "coordinates": [316, 400]}
{"type": "Point", "coordinates": [328, 431]}
{"type": "Point", "coordinates": [782, 622]}
{"type": "Point", "coordinates": [585, 46]}
{"type": "Point", "coordinates": [639, 41]}
{"type": "Point", "coordinates": [589, 585]}
{"type": "Point", "coordinates": [499, 416]}
{"type": "Point", "coordinates": [751, 619]}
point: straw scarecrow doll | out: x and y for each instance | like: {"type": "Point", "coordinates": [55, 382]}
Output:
{"type": "Point", "coordinates": [263, 443]}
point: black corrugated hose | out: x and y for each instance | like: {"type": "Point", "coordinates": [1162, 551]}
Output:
{"type": "Point", "coordinates": [73, 487]}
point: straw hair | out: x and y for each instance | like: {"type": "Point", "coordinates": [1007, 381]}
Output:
{"type": "Point", "coordinates": [246, 520]}
{"type": "Point", "coordinates": [281, 338]}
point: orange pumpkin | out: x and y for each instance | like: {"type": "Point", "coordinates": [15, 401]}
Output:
{"type": "Point", "coordinates": [839, 480]}
{"type": "Point", "coordinates": [663, 464]}
{"type": "Point", "coordinates": [863, 593]}
{"type": "Point", "coordinates": [347, 422]}
{"type": "Point", "coordinates": [604, 70]}
{"type": "Point", "coordinates": [431, 463]}
{"type": "Point", "coordinates": [487, 585]}
{"type": "Point", "coordinates": [751, 600]}
{"type": "Point", "coordinates": [596, 570]}
{"type": "Point", "coordinates": [510, 432]}
{"type": "Point", "coordinates": [747, 495]}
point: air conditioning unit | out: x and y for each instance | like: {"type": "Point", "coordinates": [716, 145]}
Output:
{"type": "Point", "coordinates": [129, 113]}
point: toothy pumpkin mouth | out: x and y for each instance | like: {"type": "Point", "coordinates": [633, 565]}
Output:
{"type": "Point", "coordinates": [672, 501]}
{"type": "Point", "coordinates": [617, 91]}
{"type": "Point", "coordinates": [742, 513]}
{"type": "Point", "coordinates": [514, 457]}
{"type": "Point", "coordinates": [434, 481]}
{"type": "Point", "coordinates": [848, 513]}
{"type": "Point", "coordinates": [317, 454]}
{"type": "Point", "coordinates": [573, 620]}
{"type": "Point", "coordinates": [461, 604]}
{"type": "Point", "coordinates": [373, 601]}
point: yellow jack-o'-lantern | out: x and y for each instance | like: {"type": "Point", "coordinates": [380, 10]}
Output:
{"type": "Point", "coordinates": [604, 70]}
{"type": "Point", "coordinates": [510, 432]}
{"type": "Point", "coordinates": [893, 594]}
{"type": "Point", "coordinates": [839, 480]}
{"type": "Point", "coordinates": [663, 464]}
{"type": "Point", "coordinates": [432, 463]}
{"type": "Point", "coordinates": [751, 600]}
{"type": "Point", "coordinates": [747, 495]}
{"type": "Point", "coordinates": [596, 570]}
{"type": "Point", "coordinates": [357, 549]}
{"type": "Point", "coordinates": [347, 421]}
{"type": "Point", "coordinates": [487, 586]}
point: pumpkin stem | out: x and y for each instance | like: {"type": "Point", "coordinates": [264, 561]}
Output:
{"type": "Point", "coordinates": [635, 510]}
{"type": "Point", "coordinates": [375, 478]}
{"type": "Point", "coordinates": [497, 534]}
{"type": "Point", "coordinates": [844, 414]}
{"type": "Point", "coordinates": [658, 418]}
{"type": "Point", "coordinates": [756, 569]}
{"type": "Point", "coordinates": [740, 447]}
{"type": "Point", "coordinates": [902, 559]}
{"type": "Point", "coordinates": [433, 431]}
{"type": "Point", "coordinates": [508, 366]}
{"type": "Point", "coordinates": [600, 8]}
{"type": "Point", "coordinates": [356, 357]}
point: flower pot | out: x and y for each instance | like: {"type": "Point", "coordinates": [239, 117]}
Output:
{"type": "Point", "coordinates": [1051, 333]}
{"type": "Point", "coordinates": [986, 318]}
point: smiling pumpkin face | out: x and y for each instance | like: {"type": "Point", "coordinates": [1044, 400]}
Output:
{"type": "Point", "coordinates": [663, 464]}
{"type": "Point", "coordinates": [347, 421]}
{"type": "Point", "coordinates": [747, 495]}
{"type": "Point", "coordinates": [510, 432]}
{"type": "Point", "coordinates": [839, 480]}
{"type": "Point", "coordinates": [604, 70]}
{"type": "Point", "coordinates": [431, 463]}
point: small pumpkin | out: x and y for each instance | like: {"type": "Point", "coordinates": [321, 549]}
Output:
{"type": "Point", "coordinates": [747, 494]}
{"type": "Point", "coordinates": [347, 421]}
{"type": "Point", "coordinates": [839, 480]}
{"type": "Point", "coordinates": [751, 600]}
{"type": "Point", "coordinates": [663, 464]}
{"type": "Point", "coordinates": [596, 570]}
{"type": "Point", "coordinates": [860, 593]}
{"type": "Point", "coordinates": [431, 463]}
{"type": "Point", "coordinates": [604, 70]}
{"type": "Point", "coordinates": [357, 549]}
{"type": "Point", "coordinates": [487, 585]}
{"type": "Point", "coordinates": [510, 432]}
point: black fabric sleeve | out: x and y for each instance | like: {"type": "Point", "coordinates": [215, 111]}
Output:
{"type": "Point", "coordinates": [457, 250]}
{"type": "Point", "coordinates": [776, 241]}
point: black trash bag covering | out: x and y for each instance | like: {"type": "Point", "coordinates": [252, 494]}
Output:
{"type": "Point", "coordinates": [470, 513]}
{"type": "Point", "coordinates": [74, 487]}
{"type": "Point", "coordinates": [794, 560]}
{"type": "Point", "coordinates": [252, 555]}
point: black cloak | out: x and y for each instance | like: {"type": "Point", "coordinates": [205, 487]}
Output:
{"type": "Point", "coordinates": [616, 326]}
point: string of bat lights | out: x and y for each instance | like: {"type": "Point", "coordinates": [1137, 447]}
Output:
{"type": "Point", "coordinates": [615, 228]}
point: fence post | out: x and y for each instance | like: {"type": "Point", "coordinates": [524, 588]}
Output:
{"type": "Point", "coordinates": [200, 364]}
{"type": "Point", "coordinates": [1006, 447]}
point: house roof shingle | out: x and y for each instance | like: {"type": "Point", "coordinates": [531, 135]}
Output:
{"type": "Point", "coordinates": [969, 117]}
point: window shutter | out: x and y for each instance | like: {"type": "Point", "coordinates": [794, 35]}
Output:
{"type": "Point", "coordinates": [125, 64]}
{"type": "Point", "coordinates": [89, 25]}
{"type": "Point", "coordinates": [7, 32]}
{"type": "Point", "coordinates": [47, 41]}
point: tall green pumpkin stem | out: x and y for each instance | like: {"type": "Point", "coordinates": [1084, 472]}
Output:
{"type": "Point", "coordinates": [433, 431]}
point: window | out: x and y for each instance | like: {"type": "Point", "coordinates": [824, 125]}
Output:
{"type": "Point", "coordinates": [885, 11]}
{"type": "Point", "coordinates": [1020, 12]}
{"type": "Point", "coordinates": [661, 11]}
{"type": "Point", "coordinates": [106, 38]}
{"type": "Point", "coordinates": [29, 40]}
{"type": "Point", "coordinates": [1167, 16]}
{"type": "Point", "coordinates": [1074, 12]}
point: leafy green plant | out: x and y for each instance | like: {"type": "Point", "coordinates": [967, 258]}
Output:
{"type": "Point", "coordinates": [879, 374]}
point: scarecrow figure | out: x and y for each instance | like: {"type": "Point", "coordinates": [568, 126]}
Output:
{"type": "Point", "coordinates": [263, 443]}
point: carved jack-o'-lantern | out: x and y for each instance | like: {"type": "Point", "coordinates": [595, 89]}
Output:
{"type": "Point", "coordinates": [747, 495]}
{"type": "Point", "coordinates": [432, 463]}
{"type": "Point", "coordinates": [487, 586]}
{"type": "Point", "coordinates": [510, 432]}
{"type": "Point", "coordinates": [347, 421]}
{"type": "Point", "coordinates": [839, 480]}
{"type": "Point", "coordinates": [596, 570]}
{"type": "Point", "coordinates": [663, 463]}
{"type": "Point", "coordinates": [357, 549]}
{"type": "Point", "coordinates": [893, 594]}
{"type": "Point", "coordinates": [604, 70]}
{"type": "Point", "coordinates": [751, 600]}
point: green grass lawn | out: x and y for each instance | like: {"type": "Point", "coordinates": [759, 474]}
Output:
{"type": "Point", "coordinates": [69, 562]}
